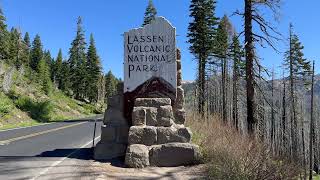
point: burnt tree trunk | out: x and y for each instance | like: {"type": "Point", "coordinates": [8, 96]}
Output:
{"type": "Point", "coordinates": [249, 52]}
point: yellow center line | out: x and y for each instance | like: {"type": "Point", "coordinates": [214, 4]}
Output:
{"type": "Point", "coordinates": [37, 134]}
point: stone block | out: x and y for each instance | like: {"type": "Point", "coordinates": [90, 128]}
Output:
{"type": "Point", "coordinates": [122, 133]}
{"type": "Point", "coordinates": [108, 134]}
{"type": "Point", "coordinates": [152, 102]}
{"type": "Point", "coordinates": [178, 54]}
{"type": "Point", "coordinates": [165, 112]}
{"type": "Point", "coordinates": [138, 116]}
{"type": "Point", "coordinates": [172, 134]}
{"type": "Point", "coordinates": [116, 101]}
{"type": "Point", "coordinates": [151, 116]}
{"type": "Point", "coordinates": [137, 156]}
{"type": "Point", "coordinates": [174, 154]}
{"type": "Point", "coordinates": [114, 116]}
{"type": "Point", "coordinates": [179, 116]}
{"type": "Point", "coordinates": [178, 65]}
{"type": "Point", "coordinates": [179, 78]}
{"type": "Point", "coordinates": [146, 135]}
{"type": "Point", "coordinates": [166, 122]}
{"type": "Point", "coordinates": [180, 98]}
{"type": "Point", "coordinates": [105, 151]}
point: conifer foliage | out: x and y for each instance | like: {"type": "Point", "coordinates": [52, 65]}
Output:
{"type": "Point", "coordinates": [94, 70]}
{"type": "Point", "coordinates": [3, 37]}
{"type": "Point", "coordinates": [36, 53]}
{"type": "Point", "coordinates": [77, 63]}
{"type": "Point", "coordinates": [201, 36]}
{"type": "Point", "coordinates": [150, 13]}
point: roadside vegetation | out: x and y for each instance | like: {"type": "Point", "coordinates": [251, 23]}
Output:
{"type": "Point", "coordinates": [27, 104]}
{"type": "Point", "coordinates": [231, 155]}
{"type": "Point", "coordinates": [36, 88]}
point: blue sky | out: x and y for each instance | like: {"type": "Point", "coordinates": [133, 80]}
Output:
{"type": "Point", "coordinates": [55, 21]}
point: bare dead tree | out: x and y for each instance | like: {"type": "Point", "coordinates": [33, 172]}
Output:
{"type": "Point", "coordinates": [311, 138]}
{"type": "Point", "coordinates": [252, 16]}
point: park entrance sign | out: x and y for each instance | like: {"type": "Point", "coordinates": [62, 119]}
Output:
{"type": "Point", "coordinates": [150, 55]}
{"type": "Point", "coordinates": [144, 121]}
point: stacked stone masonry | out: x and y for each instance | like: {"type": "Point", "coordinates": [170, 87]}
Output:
{"type": "Point", "coordinates": [155, 139]}
{"type": "Point", "coordinates": [178, 110]}
{"type": "Point", "coordinates": [114, 132]}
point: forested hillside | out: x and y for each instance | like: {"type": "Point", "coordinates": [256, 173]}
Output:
{"type": "Point", "coordinates": [37, 87]}
{"type": "Point", "coordinates": [279, 110]}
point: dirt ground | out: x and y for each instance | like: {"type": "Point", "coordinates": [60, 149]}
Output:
{"type": "Point", "coordinates": [114, 170]}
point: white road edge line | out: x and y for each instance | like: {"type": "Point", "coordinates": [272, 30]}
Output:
{"type": "Point", "coordinates": [61, 160]}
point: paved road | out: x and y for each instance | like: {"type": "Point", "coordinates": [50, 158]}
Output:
{"type": "Point", "coordinates": [52, 151]}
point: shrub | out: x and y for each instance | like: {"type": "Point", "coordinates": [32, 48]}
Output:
{"type": "Point", "coordinates": [39, 111]}
{"type": "Point", "coordinates": [5, 105]}
{"type": "Point", "coordinates": [231, 155]}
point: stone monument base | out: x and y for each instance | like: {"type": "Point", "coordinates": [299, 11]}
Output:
{"type": "Point", "coordinates": [155, 139]}
{"type": "Point", "coordinates": [114, 132]}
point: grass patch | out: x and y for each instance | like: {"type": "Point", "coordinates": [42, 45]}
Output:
{"type": "Point", "coordinates": [20, 124]}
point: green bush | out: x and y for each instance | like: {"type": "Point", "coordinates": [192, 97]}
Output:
{"type": "Point", "coordinates": [5, 105]}
{"type": "Point", "coordinates": [39, 111]}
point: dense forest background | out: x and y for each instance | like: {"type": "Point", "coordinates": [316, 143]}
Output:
{"type": "Point", "coordinates": [233, 85]}
{"type": "Point", "coordinates": [37, 85]}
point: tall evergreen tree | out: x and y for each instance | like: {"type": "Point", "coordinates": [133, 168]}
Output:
{"type": "Point", "coordinates": [36, 53]}
{"type": "Point", "coordinates": [44, 76]}
{"type": "Point", "coordinates": [50, 62]}
{"type": "Point", "coordinates": [26, 40]}
{"type": "Point", "coordinates": [77, 63]}
{"type": "Point", "coordinates": [221, 50]}
{"type": "Point", "coordinates": [236, 55]}
{"type": "Point", "coordinates": [94, 71]}
{"type": "Point", "coordinates": [4, 44]}
{"type": "Point", "coordinates": [298, 67]}
{"type": "Point", "coordinates": [111, 85]}
{"type": "Point", "coordinates": [58, 70]}
{"type": "Point", "coordinates": [14, 47]}
{"type": "Point", "coordinates": [201, 36]}
{"type": "Point", "coordinates": [150, 14]}
{"type": "Point", "coordinates": [65, 78]}
{"type": "Point", "coordinates": [26, 49]}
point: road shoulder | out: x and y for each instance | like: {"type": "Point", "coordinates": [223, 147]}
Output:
{"type": "Point", "coordinates": [114, 170]}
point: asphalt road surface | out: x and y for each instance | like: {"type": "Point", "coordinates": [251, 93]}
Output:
{"type": "Point", "coordinates": [59, 150]}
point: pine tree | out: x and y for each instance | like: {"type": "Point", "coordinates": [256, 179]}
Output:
{"type": "Point", "coordinates": [150, 13]}
{"type": "Point", "coordinates": [13, 56]}
{"type": "Point", "coordinates": [236, 55]}
{"type": "Point", "coordinates": [4, 44]}
{"type": "Point", "coordinates": [26, 40]}
{"type": "Point", "coordinates": [44, 76]}
{"type": "Point", "coordinates": [36, 53]}
{"type": "Point", "coordinates": [221, 50]}
{"type": "Point", "coordinates": [298, 67]}
{"type": "Point", "coordinates": [51, 63]}
{"type": "Point", "coordinates": [58, 70]}
{"type": "Point", "coordinates": [65, 78]}
{"type": "Point", "coordinates": [94, 71]}
{"type": "Point", "coordinates": [26, 50]}
{"type": "Point", "coordinates": [201, 36]}
{"type": "Point", "coordinates": [77, 63]}
{"type": "Point", "coordinates": [111, 85]}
